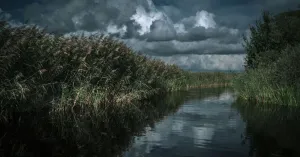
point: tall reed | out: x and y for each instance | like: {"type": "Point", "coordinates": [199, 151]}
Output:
{"type": "Point", "coordinates": [84, 87]}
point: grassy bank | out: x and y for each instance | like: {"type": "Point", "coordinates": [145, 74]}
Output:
{"type": "Point", "coordinates": [82, 89]}
{"type": "Point", "coordinates": [258, 86]}
{"type": "Point", "coordinates": [35, 64]}
{"type": "Point", "coordinates": [101, 133]}
{"type": "Point", "coordinates": [272, 63]}
{"type": "Point", "coordinates": [277, 83]}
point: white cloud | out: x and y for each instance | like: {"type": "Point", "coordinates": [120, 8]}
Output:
{"type": "Point", "coordinates": [153, 24]}
{"type": "Point", "coordinates": [113, 29]}
{"type": "Point", "coordinates": [205, 19]}
{"type": "Point", "coordinates": [180, 28]}
{"type": "Point", "coordinates": [144, 19]}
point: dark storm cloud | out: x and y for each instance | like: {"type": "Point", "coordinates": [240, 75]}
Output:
{"type": "Point", "coordinates": [155, 27]}
{"type": "Point", "coordinates": [232, 13]}
{"type": "Point", "coordinates": [200, 33]}
{"type": "Point", "coordinates": [4, 16]}
{"type": "Point", "coordinates": [161, 31]}
{"type": "Point", "coordinates": [174, 47]}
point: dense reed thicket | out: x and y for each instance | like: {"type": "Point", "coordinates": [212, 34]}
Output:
{"type": "Point", "coordinates": [272, 61]}
{"type": "Point", "coordinates": [35, 64]}
{"type": "Point", "coordinates": [83, 88]}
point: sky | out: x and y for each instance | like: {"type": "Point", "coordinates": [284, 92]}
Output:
{"type": "Point", "coordinates": [197, 35]}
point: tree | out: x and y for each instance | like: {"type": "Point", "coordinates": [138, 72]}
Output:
{"type": "Point", "coordinates": [269, 36]}
{"type": "Point", "coordinates": [259, 40]}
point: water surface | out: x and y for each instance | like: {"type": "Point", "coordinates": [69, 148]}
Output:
{"type": "Point", "coordinates": [211, 123]}
{"type": "Point", "coordinates": [194, 123]}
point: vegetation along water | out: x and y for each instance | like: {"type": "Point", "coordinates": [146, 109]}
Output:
{"type": "Point", "coordinates": [272, 62]}
{"type": "Point", "coordinates": [80, 92]}
{"type": "Point", "coordinates": [94, 96]}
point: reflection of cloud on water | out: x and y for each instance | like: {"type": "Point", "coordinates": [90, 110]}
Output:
{"type": "Point", "coordinates": [209, 123]}
{"type": "Point", "coordinates": [226, 96]}
{"type": "Point", "coordinates": [177, 125]}
{"type": "Point", "coordinates": [202, 135]}
{"type": "Point", "coordinates": [208, 107]}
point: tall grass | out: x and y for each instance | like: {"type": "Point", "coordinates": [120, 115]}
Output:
{"type": "Point", "coordinates": [255, 87]}
{"type": "Point", "coordinates": [38, 67]}
{"type": "Point", "coordinates": [105, 132]}
{"type": "Point", "coordinates": [34, 64]}
{"type": "Point", "coordinates": [277, 83]}
{"type": "Point", "coordinates": [84, 87]}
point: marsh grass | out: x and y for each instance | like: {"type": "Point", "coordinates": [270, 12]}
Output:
{"type": "Point", "coordinates": [277, 83]}
{"type": "Point", "coordinates": [76, 71]}
{"type": "Point", "coordinates": [88, 89]}
{"type": "Point", "coordinates": [106, 133]}
{"type": "Point", "coordinates": [258, 86]}
{"type": "Point", "coordinates": [272, 61]}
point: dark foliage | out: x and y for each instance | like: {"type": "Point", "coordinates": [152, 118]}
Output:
{"type": "Point", "coordinates": [269, 36]}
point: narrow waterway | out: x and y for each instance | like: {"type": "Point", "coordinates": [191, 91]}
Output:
{"type": "Point", "coordinates": [210, 123]}
{"type": "Point", "coordinates": [194, 123]}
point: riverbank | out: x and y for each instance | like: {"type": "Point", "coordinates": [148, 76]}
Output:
{"type": "Point", "coordinates": [258, 86]}
{"type": "Point", "coordinates": [83, 89]}
{"type": "Point", "coordinates": [272, 62]}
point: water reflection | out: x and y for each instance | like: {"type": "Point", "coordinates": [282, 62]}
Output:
{"type": "Point", "coordinates": [200, 122]}
{"type": "Point", "coordinates": [202, 126]}
{"type": "Point", "coordinates": [35, 133]}
{"type": "Point", "coordinates": [272, 130]}
{"type": "Point", "coordinates": [218, 125]}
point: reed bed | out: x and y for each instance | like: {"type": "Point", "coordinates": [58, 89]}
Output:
{"type": "Point", "coordinates": [85, 88]}
{"type": "Point", "coordinates": [44, 69]}
{"type": "Point", "coordinates": [276, 84]}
